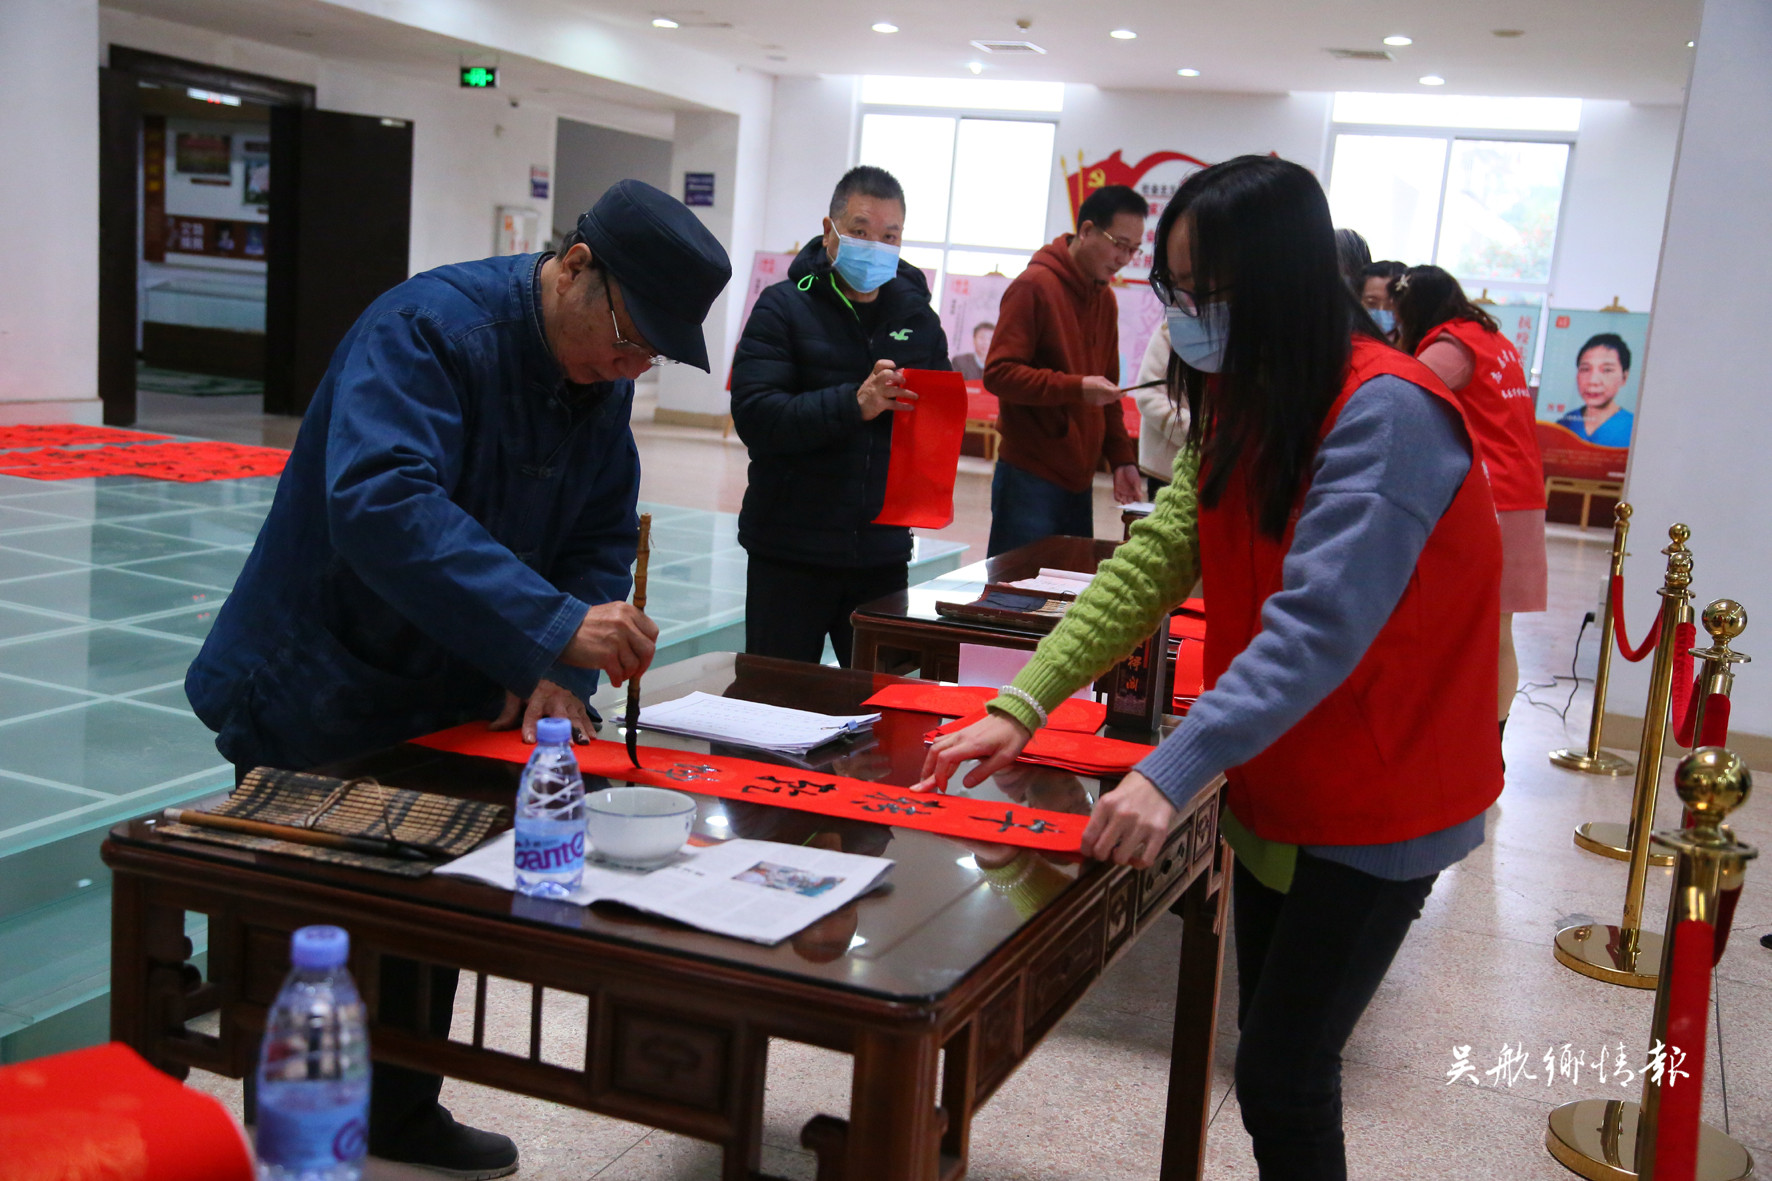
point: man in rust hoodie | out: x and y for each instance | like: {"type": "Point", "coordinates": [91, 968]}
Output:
{"type": "Point", "coordinates": [1055, 368]}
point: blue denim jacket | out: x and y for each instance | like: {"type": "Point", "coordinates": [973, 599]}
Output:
{"type": "Point", "coordinates": [451, 508]}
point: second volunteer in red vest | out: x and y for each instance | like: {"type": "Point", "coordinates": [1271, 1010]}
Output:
{"type": "Point", "coordinates": [1464, 347]}
{"type": "Point", "coordinates": [1331, 496]}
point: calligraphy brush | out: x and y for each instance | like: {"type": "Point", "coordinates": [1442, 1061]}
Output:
{"type": "Point", "coordinates": [640, 559]}
{"type": "Point", "coordinates": [1127, 389]}
{"type": "Point", "coordinates": [302, 836]}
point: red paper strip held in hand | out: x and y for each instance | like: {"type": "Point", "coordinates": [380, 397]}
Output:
{"type": "Point", "coordinates": [790, 787]}
{"type": "Point", "coordinates": [925, 452]}
{"type": "Point", "coordinates": [967, 702]}
{"type": "Point", "coordinates": [1081, 752]}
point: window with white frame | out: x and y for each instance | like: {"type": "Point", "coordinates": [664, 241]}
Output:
{"type": "Point", "coordinates": [976, 185]}
{"type": "Point", "coordinates": [1473, 185]}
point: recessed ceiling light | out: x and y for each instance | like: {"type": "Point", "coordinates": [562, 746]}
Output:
{"type": "Point", "coordinates": [1123, 35]}
{"type": "Point", "coordinates": [663, 22]}
{"type": "Point", "coordinates": [885, 27]}
{"type": "Point", "coordinates": [1432, 80]}
{"type": "Point", "coordinates": [975, 67]}
{"type": "Point", "coordinates": [1188, 72]}
{"type": "Point", "coordinates": [1399, 40]}
{"type": "Point", "coordinates": [1691, 44]}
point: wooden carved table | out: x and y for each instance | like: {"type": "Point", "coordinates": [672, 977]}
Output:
{"type": "Point", "coordinates": [677, 1022]}
{"type": "Point", "coordinates": [903, 633]}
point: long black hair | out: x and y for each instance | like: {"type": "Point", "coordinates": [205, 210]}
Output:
{"type": "Point", "coordinates": [1427, 297]}
{"type": "Point", "coordinates": [1262, 236]}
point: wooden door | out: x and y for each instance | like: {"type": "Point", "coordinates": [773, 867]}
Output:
{"type": "Point", "coordinates": [119, 126]}
{"type": "Point", "coordinates": [340, 234]}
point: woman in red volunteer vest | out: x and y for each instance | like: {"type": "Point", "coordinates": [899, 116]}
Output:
{"type": "Point", "coordinates": [1461, 343]}
{"type": "Point", "coordinates": [1352, 570]}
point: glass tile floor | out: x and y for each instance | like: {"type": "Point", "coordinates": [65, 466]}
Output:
{"type": "Point", "coordinates": [107, 589]}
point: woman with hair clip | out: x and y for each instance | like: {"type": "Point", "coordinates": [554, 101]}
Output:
{"type": "Point", "coordinates": [1351, 564]}
{"type": "Point", "coordinates": [1461, 343]}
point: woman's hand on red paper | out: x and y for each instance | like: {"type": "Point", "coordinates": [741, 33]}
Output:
{"type": "Point", "coordinates": [548, 701]}
{"type": "Point", "coordinates": [994, 742]}
{"type": "Point", "coordinates": [1129, 823]}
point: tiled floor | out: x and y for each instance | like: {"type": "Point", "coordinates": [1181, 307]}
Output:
{"type": "Point", "coordinates": [103, 639]}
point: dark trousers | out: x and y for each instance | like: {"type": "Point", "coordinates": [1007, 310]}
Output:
{"type": "Point", "coordinates": [1308, 963]}
{"type": "Point", "coordinates": [1026, 508]}
{"type": "Point", "coordinates": [396, 1093]}
{"type": "Point", "coordinates": [790, 607]}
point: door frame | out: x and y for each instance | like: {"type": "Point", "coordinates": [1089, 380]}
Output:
{"type": "Point", "coordinates": [119, 191]}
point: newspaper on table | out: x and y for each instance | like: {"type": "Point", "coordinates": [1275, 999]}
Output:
{"type": "Point", "coordinates": [750, 723]}
{"type": "Point", "coordinates": [763, 891]}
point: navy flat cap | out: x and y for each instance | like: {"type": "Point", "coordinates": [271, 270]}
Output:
{"type": "Point", "coordinates": [670, 268]}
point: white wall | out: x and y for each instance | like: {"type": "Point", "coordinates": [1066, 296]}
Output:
{"type": "Point", "coordinates": [813, 145]}
{"type": "Point", "coordinates": [588, 159]}
{"type": "Point", "coordinates": [736, 150]}
{"type": "Point", "coordinates": [48, 234]}
{"type": "Point", "coordinates": [1702, 422]}
{"type": "Point", "coordinates": [1615, 206]}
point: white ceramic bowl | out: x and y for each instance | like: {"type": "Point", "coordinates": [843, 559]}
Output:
{"type": "Point", "coordinates": [640, 827]}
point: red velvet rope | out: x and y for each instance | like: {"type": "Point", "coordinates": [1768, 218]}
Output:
{"type": "Point", "coordinates": [1624, 648]}
{"type": "Point", "coordinates": [1684, 690]}
{"type": "Point", "coordinates": [1726, 900]}
{"type": "Point", "coordinates": [1688, 1010]}
{"type": "Point", "coordinates": [1716, 721]}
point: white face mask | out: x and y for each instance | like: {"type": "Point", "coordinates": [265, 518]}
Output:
{"type": "Point", "coordinates": [1199, 340]}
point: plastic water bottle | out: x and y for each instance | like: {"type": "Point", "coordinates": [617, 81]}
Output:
{"type": "Point", "coordinates": [551, 815]}
{"type": "Point", "coordinates": [313, 1072]}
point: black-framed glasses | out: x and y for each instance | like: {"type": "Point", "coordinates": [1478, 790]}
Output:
{"type": "Point", "coordinates": [1188, 303]}
{"type": "Point", "coordinates": [621, 342]}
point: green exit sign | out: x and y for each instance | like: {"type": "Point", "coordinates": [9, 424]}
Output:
{"type": "Point", "coordinates": [479, 77]}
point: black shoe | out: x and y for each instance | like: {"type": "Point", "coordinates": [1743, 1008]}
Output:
{"type": "Point", "coordinates": [1766, 941]}
{"type": "Point", "coordinates": [434, 1141]}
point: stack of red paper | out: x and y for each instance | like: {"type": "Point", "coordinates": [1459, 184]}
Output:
{"type": "Point", "coordinates": [1068, 741]}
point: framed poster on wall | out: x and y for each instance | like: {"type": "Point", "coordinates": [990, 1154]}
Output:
{"type": "Point", "coordinates": [1587, 392]}
{"type": "Point", "coordinates": [196, 154]}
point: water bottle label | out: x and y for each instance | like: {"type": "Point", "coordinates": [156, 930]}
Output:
{"type": "Point", "coordinates": [313, 1138]}
{"type": "Point", "coordinates": [550, 846]}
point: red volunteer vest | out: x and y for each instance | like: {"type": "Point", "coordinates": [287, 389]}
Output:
{"type": "Point", "coordinates": [1500, 412]}
{"type": "Point", "coordinates": [1407, 745]}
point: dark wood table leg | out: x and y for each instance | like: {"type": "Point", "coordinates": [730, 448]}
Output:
{"type": "Point", "coordinates": [1203, 914]}
{"type": "Point", "coordinates": [743, 1153]}
{"type": "Point", "coordinates": [894, 1126]}
{"type": "Point", "coordinates": [864, 650]}
{"type": "Point", "coordinates": [149, 972]}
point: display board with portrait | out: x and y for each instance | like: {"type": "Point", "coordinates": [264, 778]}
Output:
{"type": "Point", "coordinates": [969, 305]}
{"type": "Point", "coordinates": [1587, 392]}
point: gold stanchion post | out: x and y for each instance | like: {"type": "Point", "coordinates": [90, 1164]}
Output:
{"type": "Point", "coordinates": [1594, 760]}
{"type": "Point", "coordinates": [1626, 954]}
{"type": "Point", "coordinates": [1614, 1139]}
{"type": "Point", "coordinates": [1725, 620]}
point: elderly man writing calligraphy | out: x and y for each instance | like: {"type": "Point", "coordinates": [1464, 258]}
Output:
{"type": "Point", "coordinates": [452, 539]}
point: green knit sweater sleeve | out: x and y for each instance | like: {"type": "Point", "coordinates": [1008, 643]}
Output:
{"type": "Point", "coordinates": [1146, 577]}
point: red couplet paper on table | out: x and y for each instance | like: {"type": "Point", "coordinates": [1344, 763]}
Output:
{"type": "Point", "coordinates": [925, 452]}
{"type": "Point", "coordinates": [990, 821]}
{"type": "Point", "coordinates": [103, 1113]}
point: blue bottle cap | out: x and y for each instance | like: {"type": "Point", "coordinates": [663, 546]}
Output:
{"type": "Point", "coordinates": [553, 730]}
{"type": "Point", "coordinates": [320, 948]}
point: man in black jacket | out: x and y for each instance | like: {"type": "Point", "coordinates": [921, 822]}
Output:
{"type": "Point", "coordinates": [814, 387]}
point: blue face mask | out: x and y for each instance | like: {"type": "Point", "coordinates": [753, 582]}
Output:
{"type": "Point", "coordinates": [1384, 318]}
{"type": "Point", "coordinates": [1199, 340]}
{"type": "Point", "coordinates": [865, 266]}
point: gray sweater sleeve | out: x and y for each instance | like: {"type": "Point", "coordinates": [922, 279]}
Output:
{"type": "Point", "coordinates": [1385, 474]}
